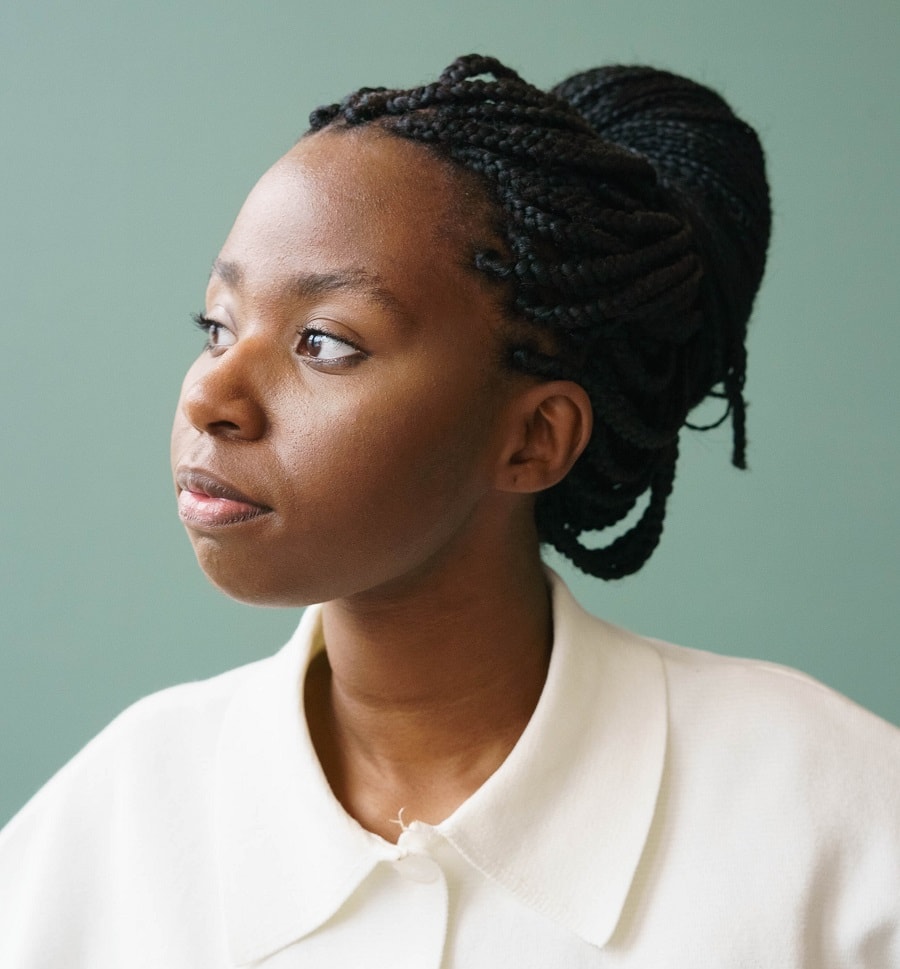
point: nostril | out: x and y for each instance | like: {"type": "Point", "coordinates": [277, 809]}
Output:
{"type": "Point", "coordinates": [228, 426]}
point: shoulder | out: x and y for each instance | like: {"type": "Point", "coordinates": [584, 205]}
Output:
{"type": "Point", "coordinates": [748, 723]}
{"type": "Point", "coordinates": [772, 774]}
{"type": "Point", "coordinates": [775, 710]}
{"type": "Point", "coordinates": [130, 812]}
{"type": "Point", "coordinates": [120, 850]}
{"type": "Point", "coordinates": [171, 730]}
{"type": "Point", "coordinates": [778, 796]}
{"type": "Point", "coordinates": [734, 709]}
{"type": "Point", "coordinates": [153, 759]}
{"type": "Point", "coordinates": [167, 737]}
{"type": "Point", "coordinates": [747, 741]}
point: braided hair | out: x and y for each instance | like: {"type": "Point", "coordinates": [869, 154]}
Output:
{"type": "Point", "coordinates": [635, 213]}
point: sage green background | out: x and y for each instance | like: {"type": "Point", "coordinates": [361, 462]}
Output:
{"type": "Point", "coordinates": [130, 134]}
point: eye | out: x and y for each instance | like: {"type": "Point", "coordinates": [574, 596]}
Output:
{"type": "Point", "coordinates": [218, 336]}
{"type": "Point", "coordinates": [325, 348]}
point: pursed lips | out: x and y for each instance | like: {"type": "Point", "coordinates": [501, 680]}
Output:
{"type": "Point", "coordinates": [207, 500]}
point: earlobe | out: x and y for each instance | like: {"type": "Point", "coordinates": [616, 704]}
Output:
{"type": "Point", "coordinates": [551, 425]}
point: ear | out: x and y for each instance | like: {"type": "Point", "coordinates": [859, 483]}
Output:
{"type": "Point", "coordinates": [550, 425]}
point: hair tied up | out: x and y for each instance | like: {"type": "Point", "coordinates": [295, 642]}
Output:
{"type": "Point", "coordinates": [634, 215]}
{"type": "Point", "coordinates": [712, 165]}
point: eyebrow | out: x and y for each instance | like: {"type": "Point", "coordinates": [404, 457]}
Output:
{"type": "Point", "coordinates": [354, 280]}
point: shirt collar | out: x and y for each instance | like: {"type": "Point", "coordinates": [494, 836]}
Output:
{"type": "Point", "coordinates": [561, 824]}
{"type": "Point", "coordinates": [563, 821]}
{"type": "Point", "coordinates": [289, 854]}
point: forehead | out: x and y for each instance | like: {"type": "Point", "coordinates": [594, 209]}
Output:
{"type": "Point", "coordinates": [359, 198]}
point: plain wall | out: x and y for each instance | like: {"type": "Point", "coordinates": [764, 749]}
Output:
{"type": "Point", "coordinates": [130, 134]}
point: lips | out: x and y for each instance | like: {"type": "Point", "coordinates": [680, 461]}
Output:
{"type": "Point", "coordinates": [206, 501]}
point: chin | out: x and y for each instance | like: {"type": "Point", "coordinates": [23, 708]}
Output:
{"type": "Point", "coordinates": [251, 582]}
{"type": "Point", "coordinates": [257, 594]}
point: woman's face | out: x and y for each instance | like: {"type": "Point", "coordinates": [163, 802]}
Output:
{"type": "Point", "coordinates": [340, 431]}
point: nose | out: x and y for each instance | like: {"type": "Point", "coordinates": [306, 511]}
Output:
{"type": "Point", "coordinates": [224, 399]}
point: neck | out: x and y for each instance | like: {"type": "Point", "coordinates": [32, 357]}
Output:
{"type": "Point", "coordinates": [423, 691]}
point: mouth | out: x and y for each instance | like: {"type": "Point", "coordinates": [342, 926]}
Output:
{"type": "Point", "coordinates": [206, 501]}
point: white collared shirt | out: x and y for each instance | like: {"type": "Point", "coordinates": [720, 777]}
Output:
{"type": "Point", "coordinates": [663, 807]}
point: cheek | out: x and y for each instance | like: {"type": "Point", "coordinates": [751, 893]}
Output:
{"type": "Point", "coordinates": [439, 453]}
{"type": "Point", "coordinates": [398, 463]}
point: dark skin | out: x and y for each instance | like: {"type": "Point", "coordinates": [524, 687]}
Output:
{"type": "Point", "coordinates": [369, 451]}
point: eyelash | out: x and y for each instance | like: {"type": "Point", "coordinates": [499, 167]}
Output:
{"type": "Point", "coordinates": [209, 327]}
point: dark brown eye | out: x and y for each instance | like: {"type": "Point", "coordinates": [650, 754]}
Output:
{"type": "Point", "coordinates": [320, 345]}
{"type": "Point", "coordinates": [217, 334]}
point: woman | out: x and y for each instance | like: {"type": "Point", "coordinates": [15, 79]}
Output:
{"type": "Point", "coordinates": [450, 325]}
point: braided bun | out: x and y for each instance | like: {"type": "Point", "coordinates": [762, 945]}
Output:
{"type": "Point", "coordinates": [635, 212]}
{"type": "Point", "coordinates": [713, 165]}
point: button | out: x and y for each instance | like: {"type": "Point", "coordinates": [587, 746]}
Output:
{"type": "Point", "coordinates": [418, 868]}
{"type": "Point", "coordinates": [416, 838]}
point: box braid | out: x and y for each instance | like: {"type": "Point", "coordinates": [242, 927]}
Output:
{"type": "Point", "coordinates": [635, 213]}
